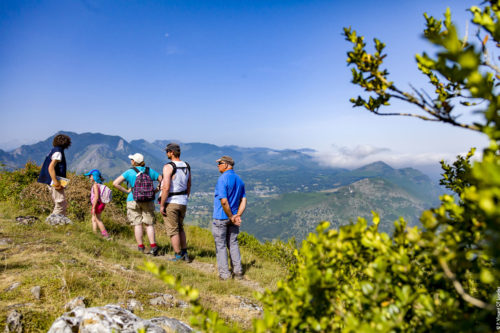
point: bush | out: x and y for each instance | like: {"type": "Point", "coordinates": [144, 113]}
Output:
{"type": "Point", "coordinates": [278, 251]}
{"type": "Point", "coordinates": [13, 182]}
{"type": "Point", "coordinates": [20, 188]}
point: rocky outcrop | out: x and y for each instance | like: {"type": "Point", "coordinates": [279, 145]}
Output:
{"type": "Point", "coordinates": [14, 323]}
{"type": "Point", "coordinates": [27, 220]}
{"type": "Point", "coordinates": [110, 318]}
{"type": "Point", "coordinates": [58, 219]}
{"type": "Point", "coordinates": [77, 302]}
{"type": "Point", "coordinates": [36, 291]}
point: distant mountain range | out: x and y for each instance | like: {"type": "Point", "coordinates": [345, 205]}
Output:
{"type": "Point", "coordinates": [289, 192]}
{"type": "Point", "coordinates": [109, 154]}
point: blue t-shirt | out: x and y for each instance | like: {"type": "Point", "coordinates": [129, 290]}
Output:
{"type": "Point", "coordinates": [130, 175]}
{"type": "Point", "coordinates": [229, 186]}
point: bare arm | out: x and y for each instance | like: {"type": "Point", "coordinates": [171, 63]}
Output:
{"type": "Point", "coordinates": [165, 186]}
{"type": "Point", "coordinates": [226, 208]}
{"type": "Point", "coordinates": [97, 195]}
{"type": "Point", "coordinates": [237, 218]}
{"type": "Point", "coordinates": [117, 184]}
{"type": "Point", "coordinates": [52, 173]}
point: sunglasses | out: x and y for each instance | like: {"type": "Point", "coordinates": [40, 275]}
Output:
{"type": "Point", "coordinates": [219, 163]}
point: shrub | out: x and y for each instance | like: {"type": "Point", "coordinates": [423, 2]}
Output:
{"type": "Point", "coordinates": [13, 182]}
{"type": "Point", "coordinates": [278, 251]}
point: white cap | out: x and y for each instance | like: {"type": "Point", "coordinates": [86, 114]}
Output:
{"type": "Point", "coordinates": [138, 158]}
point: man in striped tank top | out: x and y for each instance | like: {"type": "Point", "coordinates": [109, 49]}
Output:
{"type": "Point", "coordinates": [175, 190]}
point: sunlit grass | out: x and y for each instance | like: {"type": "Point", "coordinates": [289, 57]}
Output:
{"type": "Point", "coordinates": [70, 261]}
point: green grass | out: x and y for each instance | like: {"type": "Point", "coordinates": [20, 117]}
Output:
{"type": "Point", "coordinates": [69, 261]}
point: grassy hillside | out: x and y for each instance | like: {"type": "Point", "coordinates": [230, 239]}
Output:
{"type": "Point", "coordinates": [70, 261]}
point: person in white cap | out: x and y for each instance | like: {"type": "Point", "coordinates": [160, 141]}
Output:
{"type": "Point", "coordinates": [140, 199]}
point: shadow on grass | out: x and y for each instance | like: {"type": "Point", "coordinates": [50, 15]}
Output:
{"type": "Point", "coordinates": [248, 265]}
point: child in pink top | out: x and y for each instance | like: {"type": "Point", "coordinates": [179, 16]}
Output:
{"type": "Point", "coordinates": [97, 205]}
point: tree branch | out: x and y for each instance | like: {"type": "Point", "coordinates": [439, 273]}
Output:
{"type": "Point", "coordinates": [460, 290]}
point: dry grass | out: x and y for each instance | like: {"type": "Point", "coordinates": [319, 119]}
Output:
{"type": "Point", "coordinates": [69, 261]}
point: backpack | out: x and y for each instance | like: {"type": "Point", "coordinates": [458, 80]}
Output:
{"type": "Point", "coordinates": [185, 170]}
{"type": "Point", "coordinates": [143, 189]}
{"type": "Point", "coordinates": [105, 193]}
{"type": "Point", "coordinates": [174, 166]}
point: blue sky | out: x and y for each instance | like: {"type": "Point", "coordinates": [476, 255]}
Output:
{"type": "Point", "coordinates": [248, 73]}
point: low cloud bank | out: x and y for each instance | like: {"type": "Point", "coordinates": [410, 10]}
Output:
{"type": "Point", "coordinates": [354, 157]}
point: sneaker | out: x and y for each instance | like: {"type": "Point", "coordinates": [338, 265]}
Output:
{"type": "Point", "coordinates": [224, 278]}
{"type": "Point", "coordinates": [186, 258]}
{"type": "Point", "coordinates": [140, 249]}
{"type": "Point", "coordinates": [177, 257]}
{"type": "Point", "coordinates": [238, 277]}
{"type": "Point", "coordinates": [154, 251]}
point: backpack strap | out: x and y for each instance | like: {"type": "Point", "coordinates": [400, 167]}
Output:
{"type": "Point", "coordinates": [174, 167]}
{"type": "Point", "coordinates": [177, 193]}
{"type": "Point", "coordinates": [137, 170]}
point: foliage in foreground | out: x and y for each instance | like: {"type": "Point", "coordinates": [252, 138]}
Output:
{"type": "Point", "coordinates": [441, 278]}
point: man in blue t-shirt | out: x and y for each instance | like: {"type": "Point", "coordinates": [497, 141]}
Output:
{"type": "Point", "coordinates": [139, 213]}
{"type": "Point", "coordinates": [229, 204]}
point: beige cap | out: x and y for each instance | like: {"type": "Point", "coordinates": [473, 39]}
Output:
{"type": "Point", "coordinates": [226, 159]}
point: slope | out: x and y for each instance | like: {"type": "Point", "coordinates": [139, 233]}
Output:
{"type": "Point", "coordinates": [70, 261]}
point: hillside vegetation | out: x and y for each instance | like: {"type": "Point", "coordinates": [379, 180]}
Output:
{"type": "Point", "coordinates": [70, 261]}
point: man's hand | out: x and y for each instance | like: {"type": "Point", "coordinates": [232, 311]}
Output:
{"type": "Point", "coordinates": [163, 211]}
{"type": "Point", "coordinates": [236, 220]}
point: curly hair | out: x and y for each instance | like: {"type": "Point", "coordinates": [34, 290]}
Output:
{"type": "Point", "coordinates": [61, 140]}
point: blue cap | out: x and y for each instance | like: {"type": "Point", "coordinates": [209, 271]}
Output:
{"type": "Point", "coordinates": [96, 174]}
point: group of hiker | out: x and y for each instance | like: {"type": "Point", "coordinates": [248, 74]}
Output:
{"type": "Point", "coordinates": [175, 189]}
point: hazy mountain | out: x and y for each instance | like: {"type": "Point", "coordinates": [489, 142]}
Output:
{"type": "Point", "coordinates": [109, 154]}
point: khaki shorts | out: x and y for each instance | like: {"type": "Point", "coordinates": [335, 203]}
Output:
{"type": "Point", "coordinates": [141, 212]}
{"type": "Point", "coordinates": [174, 219]}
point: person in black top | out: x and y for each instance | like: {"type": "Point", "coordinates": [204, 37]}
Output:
{"type": "Point", "coordinates": [53, 167]}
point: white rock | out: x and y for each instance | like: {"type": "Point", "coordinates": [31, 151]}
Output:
{"type": "Point", "coordinates": [14, 323]}
{"type": "Point", "coordinates": [77, 302]}
{"type": "Point", "coordinates": [110, 318]}
{"type": "Point", "coordinates": [36, 291]}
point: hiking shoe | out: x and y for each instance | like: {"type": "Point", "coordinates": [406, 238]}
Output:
{"type": "Point", "coordinates": [186, 258]}
{"type": "Point", "coordinates": [140, 249]}
{"type": "Point", "coordinates": [154, 251]}
{"type": "Point", "coordinates": [177, 258]}
{"type": "Point", "coordinates": [224, 278]}
{"type": "Point", "coordinates": [238, 277]}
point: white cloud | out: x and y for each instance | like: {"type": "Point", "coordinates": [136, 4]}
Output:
{"type": "Point", "coordinates": [353, 157]}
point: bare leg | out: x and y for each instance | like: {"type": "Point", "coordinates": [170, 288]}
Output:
{"type": "Point", "coordinates": [138, 234]}
{"type": "Point", "coordinates": [94, 223]}
{"type": "Point", "coordinates": [100, 224]}
{"type": "Point", "coordinates": [176, 243]}
{"type": "Point", "coordinates": [150, 230]}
